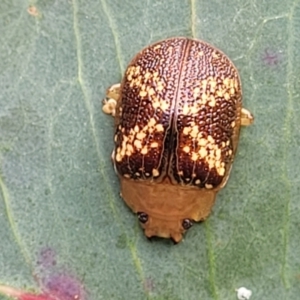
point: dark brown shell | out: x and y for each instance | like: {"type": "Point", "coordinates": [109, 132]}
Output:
{"type": "Point", "coordinates": [179, 115]}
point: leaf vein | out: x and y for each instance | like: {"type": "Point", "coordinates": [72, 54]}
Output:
{"type": "Point", "coordinates": [193, 19]}
{"type": "Point", "coordinates": [12, 223]}
{"type": "Point", "coordinates": [211, 261]}
{"type": "Point", "coordinates": [89, 107]}
{"type": "Point", "coordinates": [287, 135]}
{"type": "Point", "coordinates": [113, 28]}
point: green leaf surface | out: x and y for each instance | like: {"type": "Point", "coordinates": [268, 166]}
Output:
{"type": "Point", "coordinates": [60, 210]}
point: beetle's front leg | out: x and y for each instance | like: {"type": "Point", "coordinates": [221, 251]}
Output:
{"type": "Point", "coordinates": [246, 118]}
{"type": "Point", "coordinates": [111, 100]}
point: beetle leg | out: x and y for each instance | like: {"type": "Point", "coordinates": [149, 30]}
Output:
{"type": "Point", "coordinates": [246, 118]}
{"type": "Point", "coordinates": [174, 241]}
{"type": "Point", "coordinates": [111, 100]}
{"type": "Point", "coordinates": [150, 239]}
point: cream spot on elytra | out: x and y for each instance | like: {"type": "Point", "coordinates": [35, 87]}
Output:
{"type": "Point", "coordinates": [139, 140]}
{"type": "Point", "coordinates": [149, 84]}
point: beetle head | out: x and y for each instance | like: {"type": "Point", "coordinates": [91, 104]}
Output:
{"type": "Point", "coordinates": [162, 227]}
{"type": "Point", "coordinates": [166, 210]}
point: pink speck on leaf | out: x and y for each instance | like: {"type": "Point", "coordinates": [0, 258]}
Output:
{"type": "Point", "coordinates": [59, 287]}
{"type": "Point", "coordinates": [47, 257]}
{"type": "Point", "coordinates": [149, 285]}
{"type": "Point", "coordinates": [35, 297]}
{"type": "Point", "coordinates": [54, 285]}
{"type": "Point", "coordinates": [64, 287]}
{"type": "Point", "coordinates": [22, 295]}
{"type": "Point", "coordinates": [270, 57]}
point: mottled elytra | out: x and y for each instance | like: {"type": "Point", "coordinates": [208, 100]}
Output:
{"type": "Point", "coordinates": [178, 113]}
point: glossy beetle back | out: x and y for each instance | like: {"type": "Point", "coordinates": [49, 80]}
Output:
{"type": "Point", "coordinates": [179, 115]}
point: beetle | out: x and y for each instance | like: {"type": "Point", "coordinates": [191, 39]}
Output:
{"type": "Point", "coordinates": [178, 112]}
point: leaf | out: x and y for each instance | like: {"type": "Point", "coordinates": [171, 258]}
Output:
{"type": "Point", "coordinates": [63, 225]}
